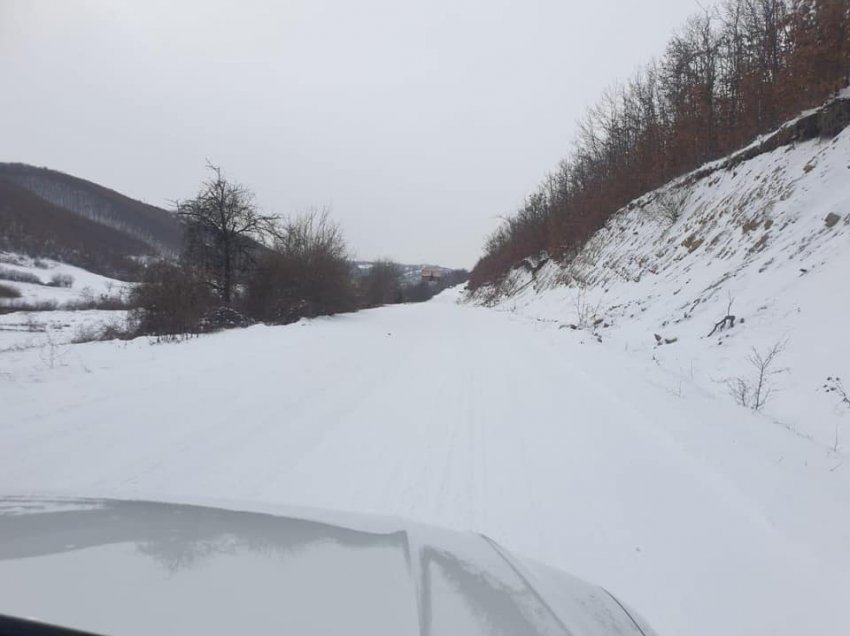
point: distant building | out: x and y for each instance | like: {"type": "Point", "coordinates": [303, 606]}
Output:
{"type": "Point", "coordinates": [432, 275]}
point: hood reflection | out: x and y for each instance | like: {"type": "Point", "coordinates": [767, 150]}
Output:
{"type": "Point", "coordinates": [152, 566]}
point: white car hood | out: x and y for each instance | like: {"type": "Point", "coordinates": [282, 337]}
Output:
{"type": "Point", "coordinates": [131, 567]}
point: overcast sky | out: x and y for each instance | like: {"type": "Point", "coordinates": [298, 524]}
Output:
{"type": "Point", "coordinates": [418, 122]}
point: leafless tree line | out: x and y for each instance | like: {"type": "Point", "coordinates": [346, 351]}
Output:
{"type": "Point", "coordinates": [732, 73]}
{"type": "Point", "coordinates": [239, 265]}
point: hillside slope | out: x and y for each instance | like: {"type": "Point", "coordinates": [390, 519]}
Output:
{"type": "Point", "coordinates": [34, 226]}
{"type": "Point", "coordinates": [153, 226]}
{"type": "Point", "coordinates": [764, 237]}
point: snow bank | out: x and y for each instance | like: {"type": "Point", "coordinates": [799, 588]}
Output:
{"type": "Point", "coordinates": [769, 240]}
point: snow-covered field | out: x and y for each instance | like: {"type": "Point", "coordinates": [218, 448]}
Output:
{"type": "Point", "coordinates": [706, 517]}
{"type": "Point", "coordinates": [42, 329]}
{"type": "Point", "coordinates": [82, 286]}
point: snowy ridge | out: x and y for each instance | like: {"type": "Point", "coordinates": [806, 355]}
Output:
{"type": "Point", "coordinates": [770, 235]}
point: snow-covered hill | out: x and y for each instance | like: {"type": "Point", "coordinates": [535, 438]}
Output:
{"type": "Point", "coordinates": [766, 240]}
{"type": "Point", "coordinates": [42, 280]}
{"type": "Point", "coordinates": [57, 302]}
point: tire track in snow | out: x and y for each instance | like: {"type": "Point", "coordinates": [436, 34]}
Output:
{"type": "Point", "coordinates": [462, 417]}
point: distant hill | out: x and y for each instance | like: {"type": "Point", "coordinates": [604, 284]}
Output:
{"type": "Point", "coordinates": [51, 214]}
{"type": "Point", "coordinates": [31, 225]}
{"type": "Point", "coordinates": [153, 226]}
{"type": "Point", "coordinates": [410, 274]}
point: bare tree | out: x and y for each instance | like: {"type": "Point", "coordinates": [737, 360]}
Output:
{"type": "Point", "coordinates": [223, 226]}
{"type": "Point", "coordinates": [731, 74]}
{"type": "Point", "coordinates": [308, 273]}
{"type": "Point", "coordinates": [382, 284]}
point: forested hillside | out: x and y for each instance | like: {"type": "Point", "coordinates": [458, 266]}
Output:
{"type": "Point", "coordinates": [733, 73]}
{"type": "Point", "coordinates": [34, 226]}
{"type": "Point", "coordinates": [155, 227]}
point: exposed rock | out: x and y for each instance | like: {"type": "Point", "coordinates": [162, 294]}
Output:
{"type": "Point", "coordinates": [832, 219]}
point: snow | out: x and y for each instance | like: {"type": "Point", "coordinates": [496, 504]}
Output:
{"type": "Point", "coordinates": [45, 329]}
{"type": "Point", "coordinates": [703, 516]}
{"type": "Point", "coordinates": [755, 235]}
{"type": "Point", "coordinates": [552, 420]}
{"type": "Point", "coordinates": [86, 285]}
{"type": "Point", "coordinates": [42, 329]}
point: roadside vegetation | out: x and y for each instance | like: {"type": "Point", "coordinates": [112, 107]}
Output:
{"type": "Point", "coordinates": [732, 73]}
{"type": "Point", "coordinates": [239, 266]}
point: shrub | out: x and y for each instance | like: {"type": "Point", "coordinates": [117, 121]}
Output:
{"type": "Point", "coordinates": [223, 318]}
{"type": "Point", "coordinates": [669, 204]}
{"type": "Point", "coordinates": [418, 293]}
{"type": "Point", "coordinates": [7, 291]}
{"type": "Point", "coordinates": [755, 391]}
{"type": "Point", "coordinates": [170, 301]}
{"type": "Point", "coordinates": [306, 275]}
{"type": "Point", "coordinates": [381, 285]}
{"type": "Point", "coordinates": [61, 280]}
{"type": "Point", "coordinates": [19, 277]}
{"type": "Point", "coordinates": [102, 302]}
{"type": "Point", "coordinates": [42, 305]}
{"type": "Point", "coordinates": [105, 303]}
{"type": "Point", "coordinates": [100, 333]}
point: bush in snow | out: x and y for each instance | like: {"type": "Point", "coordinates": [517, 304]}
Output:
{"type": "Point", "coordinates": [61, 280]}
{"type": "Point", "coordinates": [755, 391]}
{"type": "Point", "coordinates": [306, 275]}
{"type": "Point", "coordinates": [100, 332]}
{"type": "Point", "coordinates": [170, 301]}
{"type": "Point", "coordinates": [7, 291]}
{"type": "Point", "coordinates": [18, 276]}
{"type": "Point", "coordinates": [223, 318]}
{"type": "Point", "coordinates": [670, 203]}
{"type": "Point", "coordinates": [381, 285]}
{"type": "Point", "coordinates": [418, 293]}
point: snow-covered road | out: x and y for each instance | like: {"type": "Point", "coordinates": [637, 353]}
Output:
{"type": "Point", "coordinates": [706, 518]}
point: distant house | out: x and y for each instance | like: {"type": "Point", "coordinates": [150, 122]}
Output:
{"type": "Point", "coordinates": [432, 275]}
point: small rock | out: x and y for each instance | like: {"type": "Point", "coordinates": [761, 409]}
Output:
{"type": "Point", "coordinates": [832, 219]}
{"type": "Point", "coordinates": [658, 338]}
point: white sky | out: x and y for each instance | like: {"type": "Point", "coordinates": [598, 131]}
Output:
{"type": "Point", "coordinates": [419, 123]}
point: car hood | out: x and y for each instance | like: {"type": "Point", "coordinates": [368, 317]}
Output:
{"type": "Point", "coordinates": [133, 567]}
